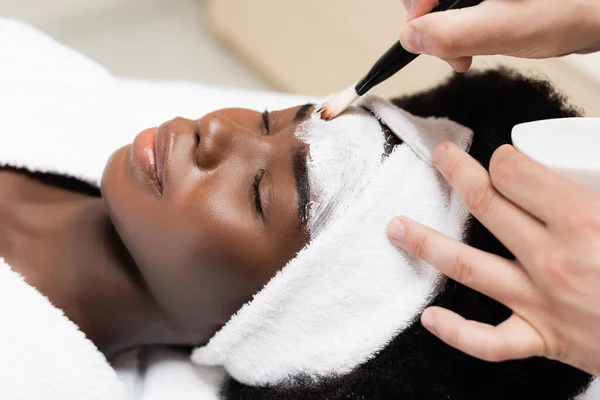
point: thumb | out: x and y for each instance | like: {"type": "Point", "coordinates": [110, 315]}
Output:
{"type": "Point", "coordinates": [491, 27]}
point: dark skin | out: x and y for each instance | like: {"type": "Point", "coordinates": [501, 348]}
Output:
{"type": "Point", "coordinates": [168, 264]}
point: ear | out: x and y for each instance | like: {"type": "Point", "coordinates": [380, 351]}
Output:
{"type": "Point", "coordinates": [490, 103]}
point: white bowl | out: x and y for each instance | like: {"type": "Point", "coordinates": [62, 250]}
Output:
{"type": "Point", "coordinates": [569, 146]}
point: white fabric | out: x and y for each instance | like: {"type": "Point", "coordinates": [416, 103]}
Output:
{"type": "Point", "coordinates": [170, 375]}
{"type": "Point", "coordinates": [593, 392]}
{"type": "Point", "coordinates": [44, 355]}
{"type": "Point", "coordinates": [129, 369]}
{"type": "Point", "coordinates": [156, 373]}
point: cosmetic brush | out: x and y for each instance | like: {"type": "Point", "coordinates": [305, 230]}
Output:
{"type": "Point", "coordinates": [396, 58]}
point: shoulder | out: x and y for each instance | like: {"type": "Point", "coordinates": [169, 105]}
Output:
{"type": "Point", "coordinates": [44, 354]}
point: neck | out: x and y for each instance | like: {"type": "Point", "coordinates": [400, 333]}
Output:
{"type": "Point", "coordinates": [103, 298]}
{"type": "Point", "coordinates": [106, 302]}
{"type": "Point", "coordinates": [82, 266]}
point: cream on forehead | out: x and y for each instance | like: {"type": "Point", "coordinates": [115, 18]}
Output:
{"type": "Point", "coordinates": [344, 155]}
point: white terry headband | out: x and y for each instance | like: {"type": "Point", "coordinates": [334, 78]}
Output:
{"type": "Point", "coordinates": [349, 292]}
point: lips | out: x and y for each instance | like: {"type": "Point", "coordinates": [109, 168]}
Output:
{"type": "Point", "coordinates": [144, 156]}
{"type": "Point", "coordinates": [160, 143]}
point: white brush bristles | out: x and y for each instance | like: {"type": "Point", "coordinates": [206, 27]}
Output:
{"type": "Point", "coordinates": [336, 104]}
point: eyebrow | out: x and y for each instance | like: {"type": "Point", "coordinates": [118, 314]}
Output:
{"type": "Point", "coordinates": [303, 112]}
{"type": "Point", "coordinates": [299, 155]}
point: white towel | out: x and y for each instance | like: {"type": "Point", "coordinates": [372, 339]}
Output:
{"type": "Point", "coordinates": [43, 355]}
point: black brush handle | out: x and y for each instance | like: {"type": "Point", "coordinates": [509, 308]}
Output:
{"type": "Point", "coordinates": [397, 57]}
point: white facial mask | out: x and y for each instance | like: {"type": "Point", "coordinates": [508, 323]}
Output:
{"type": "Point", "coordinates": [344, 156]}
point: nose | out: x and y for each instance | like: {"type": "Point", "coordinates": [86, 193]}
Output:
{"type": "Point", "coordinates": [218, 138]}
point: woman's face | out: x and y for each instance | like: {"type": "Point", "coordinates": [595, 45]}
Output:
{"type": "Point", "coordinates": [210, 209]}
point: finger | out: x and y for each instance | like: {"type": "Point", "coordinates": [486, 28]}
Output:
{"type": "Point", "coordinates": [418, 8]}
{"type": "Point", "coordinates": [512, 339]}
{"type": "Point", "coordinates": [487, 273]}
{"type": "Point", "coordinates": [496, 27]}
{"type": "Point", "coordinates": [516, 229]}
{"type": "Point", "coordinates": [528, 184]}
{"type": "Point", "coordinates": [461, 64]}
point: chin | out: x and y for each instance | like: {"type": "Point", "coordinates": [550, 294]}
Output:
{"type": "Point", "coordinates": [121, 193]}
{"type": "Point", "coordinates": [131, 206]}
{"type": "Point", "coordinates": [115, 175]}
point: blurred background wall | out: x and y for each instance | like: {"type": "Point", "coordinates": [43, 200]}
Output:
{"type": "Point", "coordinates": [164, 39]}
{"type": "Point", "coordinates": [317, 46]}
{"type": "Point", "coordinates": [307, 46]}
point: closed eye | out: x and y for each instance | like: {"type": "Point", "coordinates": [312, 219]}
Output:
{"type": "Point", "coordinates": [257, 199]}
{"type": "Point", "coordinates": [265, 117]}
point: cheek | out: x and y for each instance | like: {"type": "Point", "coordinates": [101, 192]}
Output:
{"type": "Point", "coordinates": [209, 276]}
{"type": "Point", "coordinates": [130, 205]}
{"type": "Point", "coordinates": [198, 249]}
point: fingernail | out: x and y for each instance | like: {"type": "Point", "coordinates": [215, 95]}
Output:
{"type": "Point", "coordinates": [413, 40]}
{"type": "Point", "coordinates": [396, 230]}
{"type": "Point", "coordinates": [428, 320]}
{"type": "Point", "coordinates": [453, 64]}
{"type": "Point", "coordinates": [438, 154]}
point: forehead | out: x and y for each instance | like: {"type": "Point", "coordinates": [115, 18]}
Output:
{"type": "Point", "coordinates": [344, 154]}
{"type": "Point", "coordinates": [356, 132]}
